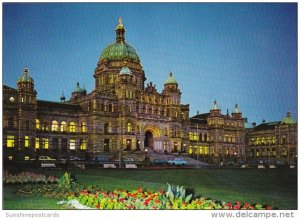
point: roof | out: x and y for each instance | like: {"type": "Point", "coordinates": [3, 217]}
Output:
{"type": "Point", "coordinates": [25, 77]}
{"type": "Point", "coordinates": [236, 109]}
{"type": "Point", "coordinates": [171, 79]}
{"type": "Point", "coordinates": [5, 87]}
{"type": "Point", "coordinates": [58, 105]}
{"type": "Point", "coordinates": [215, 106]}
{"type": "Point", "coordinates": [266, 126]}
{"type": "Point", "coordinates": [120, 50]}
{"type": "Point", "coordinates": [200, 118]}
{"type": "Point", "coordinates": [78, 89]}
{"type": "Point", "coordinates": [288, 119]}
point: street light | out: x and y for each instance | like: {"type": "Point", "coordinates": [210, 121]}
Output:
{"type": "Point", "coordinates": [146, 158]}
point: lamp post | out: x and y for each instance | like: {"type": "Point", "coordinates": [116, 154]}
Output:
{"type": "Point", "coordinates": [120, 155]}
{"type": "Point", "coordinates": [146, 158]}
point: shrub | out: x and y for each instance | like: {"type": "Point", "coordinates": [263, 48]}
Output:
{"type": "Point", "coordinates": [28, 177]}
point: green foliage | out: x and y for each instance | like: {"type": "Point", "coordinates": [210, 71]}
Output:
{"type": "Point", "coordinates": [177, 193]}
{"type": "Point", "coordinates": [65, 181]}
{"type": "Point", "coordinates": [174, 198]}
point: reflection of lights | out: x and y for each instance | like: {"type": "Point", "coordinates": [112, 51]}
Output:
{"type": "Point", "coordinates": [146, 150]}
{"type": "Point", "coordinates": [138, 142]}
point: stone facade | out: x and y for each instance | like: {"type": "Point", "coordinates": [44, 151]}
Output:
{"type": "Point", "coordinates": [121, 114]}
{"type": "Point", "coordinates": [273, 142]}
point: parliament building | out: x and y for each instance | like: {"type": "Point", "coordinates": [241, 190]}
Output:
{"type": "Point", "coordinates": [123, 114]}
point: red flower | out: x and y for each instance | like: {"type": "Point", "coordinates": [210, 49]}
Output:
{"type": "Point", "coordinates": [98, 205]}
{"type": "Point", "coordinates": [247, 205]}
{"type": "Point", "coordinates": [157, 201]}
{"type": "Point", "coordinates": [268, 208]}
{"type": "Point", "coordinates": [131, 207]}
{"type": "Point", "coordinates": [236, 207]}
{"type": "Point", "coordinates": [140, 190]}
{"type": "Point", "coordinates": [228, 205]}
{"type": "Point", "coordinates": [121, 199]}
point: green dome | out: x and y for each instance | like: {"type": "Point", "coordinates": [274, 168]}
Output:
{"type": "Point", "coordinates": [288, 119]}
{"type": "Point", "coordinates": [78, 89]}
{"type": "Point", "coordinates": [125, 71]}
{"type": "Point", "coordinates": [120, 51]}
{"type": "Point", "coordinates": [171, 79]}
{"type": "Point", "coordinates": [236, 109]}
{"type": "Point", "coordinates": [25, 76]}
{"type": "Point", "coordinates": [215, 106]}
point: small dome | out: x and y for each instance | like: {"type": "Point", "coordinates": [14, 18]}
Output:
{"type": "Point", "coordinates": [171, 79]}
{"type": "Point", "coordinates": [288, 119]}
{"type": "Point", "coordinates": [215, 106]}
{"type": "Point", "coordinates": [247, 125]}
{"type": "Point", "coordinates": [25, 76]}
{"type": "Point", "coordinates": [78, 89]}
{"type": "Point", "coordinates": [125, 71]}
{"type": "Point", "coordinates": [236, 109]}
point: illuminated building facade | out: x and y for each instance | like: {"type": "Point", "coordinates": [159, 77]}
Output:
{"type": "Point", "coordinates": [122, 114]}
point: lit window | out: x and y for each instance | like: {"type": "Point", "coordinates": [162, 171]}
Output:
{"type": "Point", "coordinates": [82, 144]}
{"type": "Point", "coordinates": [195, 137]}
{"type": "Point", "coordinates": [190, 150]}
{"type": "Point", "coordinates": [129, 127]}
{"type": "Point", "coordinates": [205, 150]}
{"type": "Point", "coordinates": [45, 126]}
{"type": "Point", "coordinates": [72, 144]}
{"type": "Point", "coordinates": [54, 126]}
{"type": "Point", "coordinates": [83, 127]}
{"type": "Point", "coordinates": [37, 143]}
{"type": "Point", "coordinates": [72, 127]}
{"type": "Point", "coordinates": [26, 157]}
{"type": "Point", "coordinates": [26, 143]}
{"type": "Point", "coordinates": [191, 136]}
{"type": "Point", "coordinates": [10, 157]}
{"type": "Point", "coordinates": [45, 143]}
{"type": "Point", "coordinates": [37, 124]}
{"type": "Point", "coordinates": [63, 126]}
{"type": "Point", "coordinates": [10, 142]}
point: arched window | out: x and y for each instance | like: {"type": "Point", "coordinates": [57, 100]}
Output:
{"type": "Point", "coordinates": [54, 126]}
{"type": "Point", "coordinates": [45, 126]}
{"type": "Point", "coordinates": [83, 127]}
{"type": "Point", "coordinates": [110, 108]}
{"type": "Point", "coordinates": [72, 127]}
{"type": "Point", "coordinates": [102, 106]}
{"type": "Point", "coordinates": [11, 123]}
{"type": "Point", "coordinates": [106, 128]}
{"type": "Point", "coordinates": [37, 124]}
{"type": "Point", "coordinates": [82, 144]}
{"type": "Point", "coordinates": [129, 127]}
{"type": "Point", "coordinates": [63, 126]}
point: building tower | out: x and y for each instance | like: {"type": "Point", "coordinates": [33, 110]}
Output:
{"type": "Point", "coordinates": [27, 114]}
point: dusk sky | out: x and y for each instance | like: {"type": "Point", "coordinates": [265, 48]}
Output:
{"type": "Point", "coordinates": [234, 53]}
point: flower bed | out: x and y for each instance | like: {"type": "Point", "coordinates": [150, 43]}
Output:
{"type": "Point", "coordinates": [142, 199]}
{"type": "Point", "coordinates": [28, 177]}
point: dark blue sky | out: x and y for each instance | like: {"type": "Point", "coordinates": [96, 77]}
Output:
{"type": "Point", "coordinates": [244, 53]}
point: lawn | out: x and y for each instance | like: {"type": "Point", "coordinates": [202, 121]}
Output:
{"type": "Point", "coordinates": [277, 188]}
